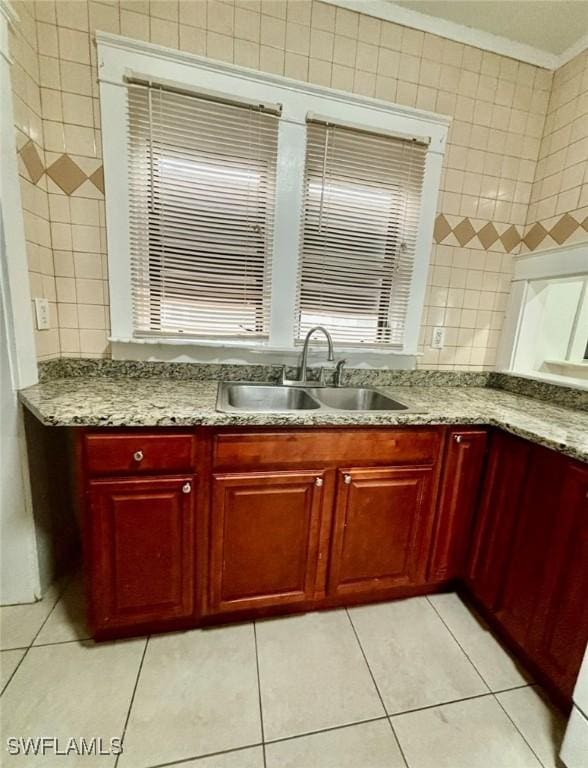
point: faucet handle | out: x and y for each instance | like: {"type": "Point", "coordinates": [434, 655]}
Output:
{"type": "Point", "coordinates": [282, 372]}
{"type": "Point", "coordinates": [339, 372]}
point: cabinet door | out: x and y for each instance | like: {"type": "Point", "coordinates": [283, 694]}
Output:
{"type": "Point", "coordinates": [458, 494]}
{"type": "Point", "coordinates": [264, 539]}
{"type": "Point", "coordinates": [531, 549]}
{"type": "Point", "coordinates": [500, 500]}
{"type": "Point", "coordinates": [381, 521]}
{"type": "Point", "coordinates": [141, 542]}
{"type": "Point", "coordinates": [559, 632]}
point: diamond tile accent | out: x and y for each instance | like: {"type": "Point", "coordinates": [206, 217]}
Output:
{"type": "Point", "coordinates": [488, 235]}
{"type": "Point", "coordinates": [32, 161]}
{"type": "Point", "coordinates": [66, 174]}
{"type": "Point", "coordinates": [565, 227]}
{"type": "Point", "coordinates": [442, 228]}
{"type": "Point", "coordinates": [584, 224]}
{"type": "Point", "coordinates": [510, 238]}
{"type": "Point", "coordinates": [464, 232]}
{"type": "Point", "coordinates": [97, 179]}
{"type": "Point", "coordinates": [535, 236]}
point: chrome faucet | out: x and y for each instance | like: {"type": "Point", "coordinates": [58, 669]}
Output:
{"type": "Point", "coordinates": [304, 360]}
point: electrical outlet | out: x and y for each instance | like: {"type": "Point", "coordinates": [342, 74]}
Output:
{"type": "Point", "coordinates": [438, 337]}
{"type": "Point", "coordinates": [42, 313]}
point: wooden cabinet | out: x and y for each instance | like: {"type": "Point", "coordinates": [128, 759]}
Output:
{"type": "Point", "coordinates": [141, 543]}
{"type": "Point", "coordinates": [382, 520]}
{"type": "Point", "coordinates": [264, 539]}
{"type": "Point", "coordinates": [500, 500]}
{"type": "Point", "coordinates": [529, 566]}
{"type": "Point", "coordinates": [559, 632]}
{"type": "Point", "coordinates": [458, 496]}
{"type": "Point", "coordinates": [530, 546]}
{"type": "Point", "coordinates": [293, 519]}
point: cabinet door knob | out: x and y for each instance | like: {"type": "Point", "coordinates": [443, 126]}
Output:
{"type": "Point", "coordinates": [138, 455]}
{"type": "Point", "coordinates": [318, 482]}
{"type": "Point", "coordinates": [458, 438]}
{"type": "Point", "coordinates": [186, 488]}
{"type": "Point", "coordinates": [347, 479]}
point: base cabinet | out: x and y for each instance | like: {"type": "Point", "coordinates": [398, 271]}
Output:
{"type": "Point", "coordinates": [559, 632]}
{"type": "Point", "coordinates": [529, 567]}
{"type": "Point", "coordinates": [458, 496]}
{"type": "Point", "coordinates": [183, 528]}
{"type": "Point", "coordinates": [382, 518]}
{"type": "Point", "coordinates": [500, 501]}
{"type": "Point", "coordinates": [264, 539]}
{"type": "Point", "coordinates": [141, 534]}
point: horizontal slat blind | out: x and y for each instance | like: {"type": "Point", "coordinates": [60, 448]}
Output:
{"type": "Point", "coordinates": [362, 199]}
{"type": "Point", "coordinates": [201, 196]}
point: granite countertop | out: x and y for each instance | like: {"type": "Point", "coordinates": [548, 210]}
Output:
{"type": "Point", "coordinates": [156, 401]}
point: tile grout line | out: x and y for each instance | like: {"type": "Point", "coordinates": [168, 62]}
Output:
{"type": "Point", "coordinates": [132, 700]}
{"type": "Point", "coordinates": [184, 760]}
{"type": "Point", "coordinates": [441, 704]}
{"type": "Point", "coordinates": [394, 734]}
{"type": "Point", "coordinates": [36, 635]}
{"type": "Point", "coordinates": [492, 693]}
{"type": "Point", "coordinates": [459, 645]}
{"type": "Point", "coordinates": [518, 730]}
{"type": "Point", "coordinates": [259, 693]}
{"type": "Point", "coordinates": [327, 730]}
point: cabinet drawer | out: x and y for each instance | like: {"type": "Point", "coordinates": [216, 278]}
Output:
{"type": "Point", "coordinates": [141, 452]}
{"type": "Point", "coordinates": [326, 446]}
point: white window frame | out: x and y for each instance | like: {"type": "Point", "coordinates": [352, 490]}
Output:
{"type": "Point", "coordinates": [550, 264]}
{"type": "Point", "coordinates": [119, 57]}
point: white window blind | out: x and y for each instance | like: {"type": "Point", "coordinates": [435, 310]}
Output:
{"type": "Point", "coordinates": [201, 196]}
{"type": "Point", "coordinates": [362, 200]}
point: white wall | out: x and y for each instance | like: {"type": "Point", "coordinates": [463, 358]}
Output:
{"type": "Point", "coordinates": [19, 572]}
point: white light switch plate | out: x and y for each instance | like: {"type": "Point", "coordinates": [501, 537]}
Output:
{"type": "Point", "coordinates": [42, 313]}
{"type": "Point", "coordinates": [438, 337]}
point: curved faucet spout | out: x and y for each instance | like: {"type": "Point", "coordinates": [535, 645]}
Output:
{"type": "Point", "coordinates": [304, 360]}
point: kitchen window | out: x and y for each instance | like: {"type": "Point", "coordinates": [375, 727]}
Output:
{"type": "Point", "coordinates": [546, 326]}
{"type": "Point", "coordinates": [244, 208]}
{"type": "Point", "coordinates": [201, 194]}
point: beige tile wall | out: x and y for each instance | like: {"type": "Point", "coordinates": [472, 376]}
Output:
{"type": "Point", "coordinates": [558, 210]}
{"type": "Point", "coordinates": [23, 46]}
{"type": "Point", "coordinates": [498, 107]}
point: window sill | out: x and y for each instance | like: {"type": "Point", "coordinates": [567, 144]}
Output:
{"type": "Point", "coordinates": [251, 353]}
{"type": "Point", "coordinates": [567, 380]}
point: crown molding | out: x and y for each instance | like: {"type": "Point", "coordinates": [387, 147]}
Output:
{"type": "Point", "coordinates": [478, 38]}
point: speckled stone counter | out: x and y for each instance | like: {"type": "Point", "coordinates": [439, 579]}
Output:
{"type": "Point", "coordinates": [116, 401]}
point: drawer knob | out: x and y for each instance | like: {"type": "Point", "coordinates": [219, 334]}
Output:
{"type": "Point", "coordinates": [138, 455]}
{"type": "Point", "coordinates": [347, 479]}
{"type": "Point", "coordinates": [186, 488]}
{"type": "Point", "coordinates": [318, 482]}
{"type": "Point", "coordinates": [458, 438]}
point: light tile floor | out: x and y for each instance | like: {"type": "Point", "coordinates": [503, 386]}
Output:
{"type": "Point", "coordinates": [417, 683]}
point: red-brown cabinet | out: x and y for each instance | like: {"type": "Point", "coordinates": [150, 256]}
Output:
{"type": "Point", "coordinates": [264, 539]}
{"type": "Point", "coordinates": [458, 496]}
{"type": "Point", "coordinates": [184, 527]}
{"type": "Point", "coordinates": [559, 632]}
{"type": "Point", "coordinates": [382, 521]}
{"type": "Point", "coordinates": [141, 548]}
{"type": "Point", "coordinates": [500, 501]}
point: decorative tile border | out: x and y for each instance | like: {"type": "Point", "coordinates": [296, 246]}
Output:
{"type": "Point", "coordinates": [449, 229]}
{"type": "Point", "coordinates": [568, 228]}
{"type": "Point", "coordinates": [65, 172]}
{"type": "Point", "coordinates": [475, 233]}
{"type": "Point", "coordinates": [488, 235]}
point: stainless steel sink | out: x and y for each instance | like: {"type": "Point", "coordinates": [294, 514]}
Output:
{"type": "Point", "coordinates": [356, 399]}
{"type": "Point", "coordinates": [264, 398]}
{"type": "Point", "coordinates": [273, 398]}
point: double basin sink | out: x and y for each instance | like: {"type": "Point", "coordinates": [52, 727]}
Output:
{"type": "Point", "coordinates": [274, 398]}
